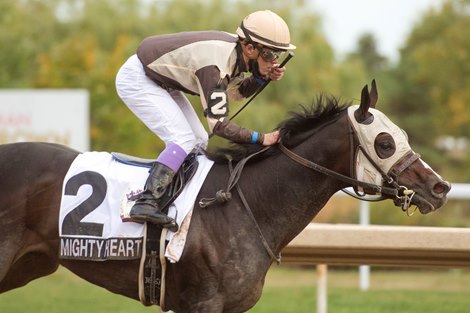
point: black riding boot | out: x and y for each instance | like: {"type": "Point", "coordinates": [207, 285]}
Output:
{"type": "Point", "coordinates": [146, 208]}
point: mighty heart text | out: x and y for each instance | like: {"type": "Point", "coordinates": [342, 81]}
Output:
{"type": "Point", "coordinates": [100, 249]}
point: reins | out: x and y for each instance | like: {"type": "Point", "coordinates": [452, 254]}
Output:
{"type": "Point", "coordinates": [225, 195]}
{"type": "Point", "coordinates": [401, 194]}
{"type": "Point", "coordinates": [346, 179]}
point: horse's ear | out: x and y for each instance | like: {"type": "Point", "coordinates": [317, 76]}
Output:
{"type": "Point", "coordinates": [362, 114]}
{"type": "Point", "coordinates": [374, 96]}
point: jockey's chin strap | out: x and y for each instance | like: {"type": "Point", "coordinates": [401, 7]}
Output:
{"type": "Point", "coordinates": [225, 195]}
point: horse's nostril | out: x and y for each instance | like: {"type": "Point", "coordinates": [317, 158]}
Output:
{"type": "Point", "coordinates": [441, 188]}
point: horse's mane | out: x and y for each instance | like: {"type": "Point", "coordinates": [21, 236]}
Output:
{"type": "Point", "coordinates": [300, 122]}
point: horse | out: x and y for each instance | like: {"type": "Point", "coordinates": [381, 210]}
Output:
{"type": "Point", "coordinates": [232, 244]}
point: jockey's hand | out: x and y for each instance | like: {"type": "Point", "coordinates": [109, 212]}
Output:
{"type": "Point", "coordinates": [271, 138]}
{"type": "Point", "coordinates": [276, 72]}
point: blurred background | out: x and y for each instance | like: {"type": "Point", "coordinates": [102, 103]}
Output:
{"type": "Point", "coordinates": [418, 51]}
{"type": "Point", "coordinates": [419, 54]}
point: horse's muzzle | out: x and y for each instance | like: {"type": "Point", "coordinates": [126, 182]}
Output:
{"type": "Point", "coordinates": [438, 197]}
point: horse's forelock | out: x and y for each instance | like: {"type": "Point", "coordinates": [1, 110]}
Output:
{"type": "Point", "coordinates": [299, 122]}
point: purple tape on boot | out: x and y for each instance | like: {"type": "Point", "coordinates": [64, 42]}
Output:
{"type": "Point", "coordinates": [173, 156]}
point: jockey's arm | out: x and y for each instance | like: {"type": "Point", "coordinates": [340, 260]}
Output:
{"type": "Point", "coordinates": [229, 130]}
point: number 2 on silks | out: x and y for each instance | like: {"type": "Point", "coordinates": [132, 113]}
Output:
{"type": "Point", "coordinates": [218, 104]}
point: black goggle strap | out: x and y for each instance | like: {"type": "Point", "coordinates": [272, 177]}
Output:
{"type": "Point", "coordinates": [249, 34]}
{"type": "Point", "coordinates": [248, 37]}
{"type": "Point", "coordinates": [267, 54]}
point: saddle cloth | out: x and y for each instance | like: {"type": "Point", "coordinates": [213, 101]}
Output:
{"type": "Point", "coordinates": [95, 199]}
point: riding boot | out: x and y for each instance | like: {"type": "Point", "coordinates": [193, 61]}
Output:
{"type": "Point", "coordinates": [146, 207]}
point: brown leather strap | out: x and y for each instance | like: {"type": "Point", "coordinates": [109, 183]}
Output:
{"type": "Point", "coordinates": [225, 195]}
{"type": "Point", "coordinates": [321, 169]}
{"type": "Point", "coordinates": [405, 161]}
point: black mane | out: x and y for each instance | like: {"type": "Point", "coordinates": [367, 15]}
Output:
{"type": "Point", "coordinates": [324, 108]}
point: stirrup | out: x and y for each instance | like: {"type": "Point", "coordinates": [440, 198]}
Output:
{"type": "Point", "coordinates": [152, 215]}
{"type": "Point", "coordinates": [172, 226]}
{"type": "Point", "coordinates": [146, 218]}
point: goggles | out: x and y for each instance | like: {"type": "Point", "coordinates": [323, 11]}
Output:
{"type": "Point", "coordinates": [269, 55]}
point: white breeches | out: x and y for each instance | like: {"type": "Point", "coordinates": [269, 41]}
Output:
{"type": "Point", "coordinates": [168, 114]}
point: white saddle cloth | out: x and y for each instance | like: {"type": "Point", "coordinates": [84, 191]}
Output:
{"type": "Point", "coordinates": [95, 195]}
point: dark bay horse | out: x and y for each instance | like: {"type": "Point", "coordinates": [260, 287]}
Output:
{"type": "Point", "coordinates": [224, 262]}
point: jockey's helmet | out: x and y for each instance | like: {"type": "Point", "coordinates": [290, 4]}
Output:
{"type": "Point", "coordinates": [266, 28]}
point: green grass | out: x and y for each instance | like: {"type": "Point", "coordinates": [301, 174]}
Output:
{"type": "Point", "coordinates": [294, 290]}
{"type": "Point", "coordinates": [64, 292]}
{"type": "Point", "coordinates": [287, 289]}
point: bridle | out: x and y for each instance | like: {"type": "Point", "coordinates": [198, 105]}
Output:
{"type": "Point", "coordinates": [400, 194]}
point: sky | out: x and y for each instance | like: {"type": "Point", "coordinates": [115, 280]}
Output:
{"type": "Point", "coordinates": [390, 21]}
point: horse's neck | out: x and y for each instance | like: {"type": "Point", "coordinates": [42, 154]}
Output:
{"type": "Point", "coordinates": [290, 195]}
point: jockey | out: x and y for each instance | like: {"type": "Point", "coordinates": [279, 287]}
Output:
{"type": "Point", "coordinates": [210, 64]}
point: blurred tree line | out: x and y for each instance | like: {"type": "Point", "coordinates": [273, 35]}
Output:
{"type": "Point", "coordinates": [83, 43]}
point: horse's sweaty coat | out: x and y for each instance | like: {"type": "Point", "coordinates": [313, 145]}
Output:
{"type": "Point", "coordinates": [95, 197]}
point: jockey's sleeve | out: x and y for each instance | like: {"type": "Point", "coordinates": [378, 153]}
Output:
{"type": "Point", "coordinates": [229, 130]}
{"type": "Point", "coordinates": [240, 88]}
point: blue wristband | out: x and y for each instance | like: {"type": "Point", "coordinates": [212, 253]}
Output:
{"type": "Point", "coordinates": [254, 137]}
{"type": "Point", "coordinates": [260, 80]}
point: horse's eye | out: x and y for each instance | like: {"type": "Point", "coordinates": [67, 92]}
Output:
{"type": "Point", "coordinates": [387, 146]}
{"type": "Point", "coordinates": [384, 145]}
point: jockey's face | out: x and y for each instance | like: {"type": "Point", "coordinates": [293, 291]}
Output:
{"type": "Point", "coordinates": [265, 66]}
{"type": "Point", "coordinates": [267, 57]}
{"type": "Point", "coordinates": [264, 56]}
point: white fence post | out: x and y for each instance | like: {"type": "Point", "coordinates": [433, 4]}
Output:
{"type": "Point", "coordinates": [364, 270]}
{"type": "Point", "coordinates": [322, 288]}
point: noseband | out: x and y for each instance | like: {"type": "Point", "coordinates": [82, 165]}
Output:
{"type": "Point", "coordinates": [400, 194]}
